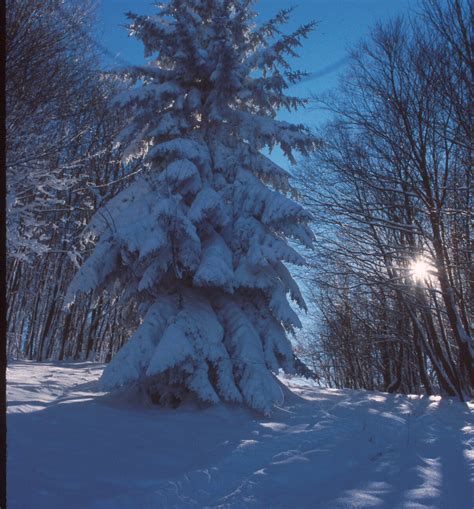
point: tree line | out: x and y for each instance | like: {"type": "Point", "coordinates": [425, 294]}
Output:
{"type": "Point", "coordinates": [60, 165]}
{"type": "Point", "coordinates": [390, 191]}
{"type": "Point", "coordinates": [391, 195]}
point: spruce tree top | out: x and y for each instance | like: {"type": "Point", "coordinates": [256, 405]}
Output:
{"type": "Point", "coordinates": [199, 238]}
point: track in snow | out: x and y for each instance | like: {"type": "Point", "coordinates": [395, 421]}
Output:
{"type": "Point", "coordinates": [70, 445]}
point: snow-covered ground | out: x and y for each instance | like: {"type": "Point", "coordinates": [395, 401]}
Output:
{"type": "Point", "coordinates": [70, 446]}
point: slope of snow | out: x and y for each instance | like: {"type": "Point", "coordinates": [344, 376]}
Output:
{"type": "Point", "coordinates": [70, 445]}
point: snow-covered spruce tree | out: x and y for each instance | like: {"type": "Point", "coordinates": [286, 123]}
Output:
{"type": "Point", "coordinates": [200, 237]}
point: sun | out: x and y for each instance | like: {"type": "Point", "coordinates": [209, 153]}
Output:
{"type": "Point", "coordinates": [420, 269]}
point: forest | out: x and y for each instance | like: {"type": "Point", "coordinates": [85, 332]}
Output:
{"type": "Point", "coordinates": [389, 279]}
{"type": "Point", "coordinates": [213, 304]}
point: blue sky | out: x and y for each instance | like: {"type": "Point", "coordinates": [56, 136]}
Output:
{"type": "Point", "coordinates": [341, 24]}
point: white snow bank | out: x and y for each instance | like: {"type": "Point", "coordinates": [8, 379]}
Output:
{"type": "Point", "coordinates": [70, 445]}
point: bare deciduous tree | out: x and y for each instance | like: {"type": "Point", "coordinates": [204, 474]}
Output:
{"type": "Point", "coordinates": [391, 193]}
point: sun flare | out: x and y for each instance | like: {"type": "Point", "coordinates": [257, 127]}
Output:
{"type": "Point", "coordinates": [419, 270]}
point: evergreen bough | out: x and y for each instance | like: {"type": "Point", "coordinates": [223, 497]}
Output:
{"type": "Point", "coordinates": [200, 237]}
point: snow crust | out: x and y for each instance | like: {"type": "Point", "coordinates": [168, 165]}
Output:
{"type": "Point", "coordinates": [70, 445]}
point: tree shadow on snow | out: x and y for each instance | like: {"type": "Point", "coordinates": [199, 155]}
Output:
{"type": "Point", "coordinates": [415, 458]}
{"type": "Point", "coordinates": [322, 449]}
{"type": "Point", "coordinates": [83, 447]}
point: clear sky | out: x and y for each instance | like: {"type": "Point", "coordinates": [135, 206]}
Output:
{"type": "Point", "coordinates": [341, 24]}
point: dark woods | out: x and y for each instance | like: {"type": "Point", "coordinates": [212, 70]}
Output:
{"type": "Point", "coordinates": [391, 192]}
{"type": "Point", "coordinates": [61, 164]}
{"type": "Point", "coordinates": [391, 276]}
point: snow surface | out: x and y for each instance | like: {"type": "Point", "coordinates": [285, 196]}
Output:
{"type": "Point", "coordinates": [70, 445]}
